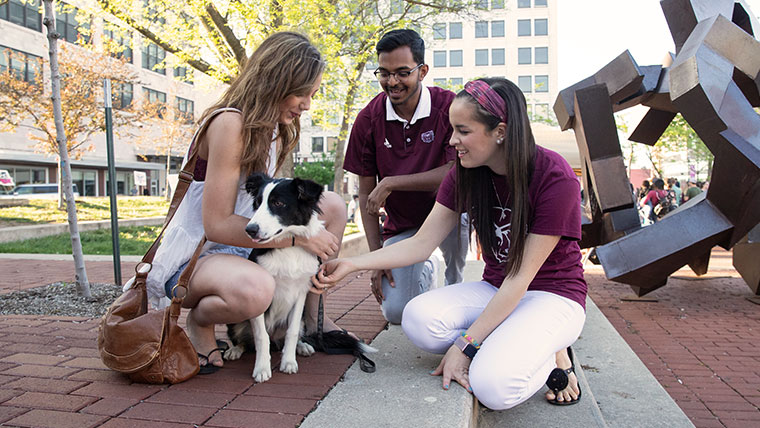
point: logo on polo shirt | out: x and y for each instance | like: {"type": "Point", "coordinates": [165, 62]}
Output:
{"type": "Point", "coordinates": [387, 144]}
{"type": "Point", "coordinates": [428, 137]}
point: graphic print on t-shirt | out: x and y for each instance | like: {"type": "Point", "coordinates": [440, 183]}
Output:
{"type": "Point", "coordinates": [502, 231]}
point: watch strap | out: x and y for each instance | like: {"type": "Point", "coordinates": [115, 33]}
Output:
{"type": "Point", "coordinates": [466, 347]}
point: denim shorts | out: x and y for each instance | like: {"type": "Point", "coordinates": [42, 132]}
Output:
{"type": "Point", "coordinates": [219, 249]}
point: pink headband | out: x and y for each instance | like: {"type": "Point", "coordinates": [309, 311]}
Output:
{"type": "Point", "coordinates": [487, 98]}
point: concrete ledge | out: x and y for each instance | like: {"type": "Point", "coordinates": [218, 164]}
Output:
{"type": "Point", "coordinates": [353, 245]}
{"type": "Point", "coordinates": [19, 233]}
{"type": "Point", "coordinates": [398, 394]}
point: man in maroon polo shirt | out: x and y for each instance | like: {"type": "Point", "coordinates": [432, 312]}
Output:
{"type": "Point", "coordinates": [399, 148]}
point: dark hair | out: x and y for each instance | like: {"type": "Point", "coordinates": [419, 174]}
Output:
{"type": "Point", "coordinates": [475, 191]}
{"type": "Point", "coordinates": [395, 39]}
{"type": "Point", "coordinates": [659, 184]}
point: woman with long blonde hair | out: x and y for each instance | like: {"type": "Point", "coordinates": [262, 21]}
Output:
{"type": "Point", "coordinates": [252, 128]}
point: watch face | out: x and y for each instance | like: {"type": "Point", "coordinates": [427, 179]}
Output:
{"type": "Point", "coordinates": [470, 350]}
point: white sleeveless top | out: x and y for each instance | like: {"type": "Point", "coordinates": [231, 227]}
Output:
{"type": "Point", "coordinates": [186, 228]}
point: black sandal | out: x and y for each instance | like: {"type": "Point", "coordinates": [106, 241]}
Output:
{"type": "Point", "coordinates": [558, 380]}
{"type": "Point", "coordinates": [209, 368]}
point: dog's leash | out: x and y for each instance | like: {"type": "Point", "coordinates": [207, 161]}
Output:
{"type": "Point", "coordinates": [365, 364]}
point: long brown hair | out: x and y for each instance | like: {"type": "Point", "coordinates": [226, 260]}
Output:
{"type": "Point", "coordinates": [284, 64]}
{"type": "Point", "coordinates": [475, 191]}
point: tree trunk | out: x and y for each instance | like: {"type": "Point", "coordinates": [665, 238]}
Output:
{"type": "Point", "coordinates": [83, 286]}
{"type": "Point", "coordinates": [340, 146]}
{"type": "Point", "coordinates": [168, 170]}
{"type": "Point", "coordinates": [59, 177]}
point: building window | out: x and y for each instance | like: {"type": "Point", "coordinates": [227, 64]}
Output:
{"type": "Point", "coordinates": [456, 82]}
{"type": "Point", "coordinates": [186, 109]}
{"type": "Point", "coordinates": [481, 4]}
{"type": "Point", "coordinates": [524, 56]}
{"type": "Point", "coordinates": [542, 55]}
{"type": "Point", "coordinates": [525, 83]}
{"type": "Point", "coordinates": [481, 29]}
{"type": "Point", "coordinates": [317, 144]}
{"type": "Point", "coordinates": [153, 58]}
{"type": "Point", "coordinates": [455, 58]}
{"type": "Point", "coordinates": [24, 66]}
{"type": "Point", "coordinates": [26, 14]}
{"type": "Point", "coordinates": [521, 4]}
{"type": "Point", "coordinates": [118, 44]}
{"type": "Point", "coordinates": [455, 30]}
{"type": "Point", "coordinates": [497, 28]}
{"type": "Point", "coordinates": [523, 27]}
{"type": "Point", "coordinates": [439, 58]}
{"type": "Point", "coordinates": [497, 56]}
{"type": "Point", "coordinates": [180, 73]}
{"type": "Point", "coordinates": [497, 4]}
{"type": "Point", "coordinates": [123, 96]}
{"type": "Point", "coordinates": [542, 83]}
{"type": "Point", "coordinates": [439, 31]}
{"type": "Point", "coordinates": [481, 56]}
{"type": "Point", "coordinates": [441, 83]}
{"type": "Point", "coordinates": [153, 96]}
{"type": "Point", "coordinates": [541, 27]}
{"type": "Point", "coordinates": [67, 26]}
{"type": "Point", "coordinates": [539, 3]}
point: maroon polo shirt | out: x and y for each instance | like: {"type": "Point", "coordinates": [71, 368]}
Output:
{"type": "Point", "coordinates": [383, 148]}
{"type": "Point", "coordinates": [554, 195]}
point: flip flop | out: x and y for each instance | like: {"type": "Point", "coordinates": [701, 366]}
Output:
{"type": "Point", "coordinates": [209, 368]}
{"type": "Point", "coordinates": [558, 380]}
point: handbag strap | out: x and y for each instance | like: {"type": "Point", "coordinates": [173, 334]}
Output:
{"type": "Point", "coordinates": [184, 278]}
{"type": "Point", "coordinates": [183, 183]}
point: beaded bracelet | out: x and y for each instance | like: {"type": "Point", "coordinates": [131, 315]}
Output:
{"type": "Point", "coordinates": [469, 338]}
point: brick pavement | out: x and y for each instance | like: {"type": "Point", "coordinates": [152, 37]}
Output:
{"type": "Point", "coordinates": [51, 375]}
{"type": "Point", "coordinates": [699, 339]}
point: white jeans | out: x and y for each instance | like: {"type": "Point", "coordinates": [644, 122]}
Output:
{"type": "Point", "coordinates": [515, 360]}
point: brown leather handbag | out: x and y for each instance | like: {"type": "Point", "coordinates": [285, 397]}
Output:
{"type": "Point", "coordinates": [149, 346]}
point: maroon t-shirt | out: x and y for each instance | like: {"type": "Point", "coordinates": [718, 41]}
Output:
{"type": "Point", "coordinates": [381, 148]}
{"type": "Point", "coordinates": [554, 195]}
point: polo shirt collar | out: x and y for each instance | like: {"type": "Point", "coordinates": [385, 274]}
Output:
{"type": "Point", "coordinates": [422, 111]}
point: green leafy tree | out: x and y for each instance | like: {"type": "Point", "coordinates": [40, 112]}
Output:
{"type": "Point", "coordinates": [680, 137]}
{"type": "Point", "coordinates": [321, 171]}
{"type": "Point", "coordinates": [215, 38]}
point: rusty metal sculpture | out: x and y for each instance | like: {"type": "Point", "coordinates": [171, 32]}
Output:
{"type": "Point", "coordinates": [713, 80]}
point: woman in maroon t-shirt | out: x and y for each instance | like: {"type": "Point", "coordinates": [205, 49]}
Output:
{"type": "Point", "coordinates": [505, 335]}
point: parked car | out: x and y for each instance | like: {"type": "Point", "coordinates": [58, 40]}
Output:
{"type": "Point", "coordinates": [39, 191]}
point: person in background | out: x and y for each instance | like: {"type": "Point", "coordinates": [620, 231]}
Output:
{"type": "Point", "coordinates": [692, 190]}
{"type": "Point", "coordinates": [352, 206]}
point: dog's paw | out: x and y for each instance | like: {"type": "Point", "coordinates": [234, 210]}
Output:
{"type": "Point", "coordinates": [289, 366]}
{"type": "Point", "coordinates": [304, 349]}
{"type": "Point", "coordinates": [263, 373]}
{"type": "Point", "coordinates": [234, 353]}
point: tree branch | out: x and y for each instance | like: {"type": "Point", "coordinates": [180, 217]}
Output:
{"type": "Point", "coordinates": [222, 26]}
{"type": "Point", "coordinates": [197, 64]}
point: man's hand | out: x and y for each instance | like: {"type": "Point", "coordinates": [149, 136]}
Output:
{"type": "Point", "coordinates": [376, 198]}
{"type": "Point", "coordinates": [376, 283]}
{"type": "Point", "coordinates": [323, 245]}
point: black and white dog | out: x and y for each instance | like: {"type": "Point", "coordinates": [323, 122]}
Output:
{"type": "Point", "coordinates": [283, 208]}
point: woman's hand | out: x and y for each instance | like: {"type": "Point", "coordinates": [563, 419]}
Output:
{"type": "Point", "coordinates": [323, 245]}
{"type": "Point", "coordinates": [329, 274]}
{"type": "Point", "coordinates": [454, 365]}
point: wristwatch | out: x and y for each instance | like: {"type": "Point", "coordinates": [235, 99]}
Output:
{"type": "Point", "coordinates": [466, 347]}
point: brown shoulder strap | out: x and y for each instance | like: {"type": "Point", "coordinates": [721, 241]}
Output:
{"type": "Point", "coordinates": [183, 183]}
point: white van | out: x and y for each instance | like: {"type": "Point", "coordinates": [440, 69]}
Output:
{"type": "Point", "coordinates": [40, 191]}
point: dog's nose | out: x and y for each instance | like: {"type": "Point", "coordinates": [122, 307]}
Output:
{"type": "Point", "coordinates": [252, 230]}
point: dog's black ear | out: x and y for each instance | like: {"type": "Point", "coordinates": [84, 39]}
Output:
{"type": "Point", "coordinates": [255, 182]}
{"type": "Point", "coordinates": [308, 190]}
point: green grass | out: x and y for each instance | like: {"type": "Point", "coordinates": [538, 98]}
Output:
{"type": "Point", "coordinates": [133, 241]}
{"type": "Point", "coordinates": [41, 211]}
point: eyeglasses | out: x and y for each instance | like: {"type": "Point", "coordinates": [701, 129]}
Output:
{"type": "Point", "coordinates": [385, 75]}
